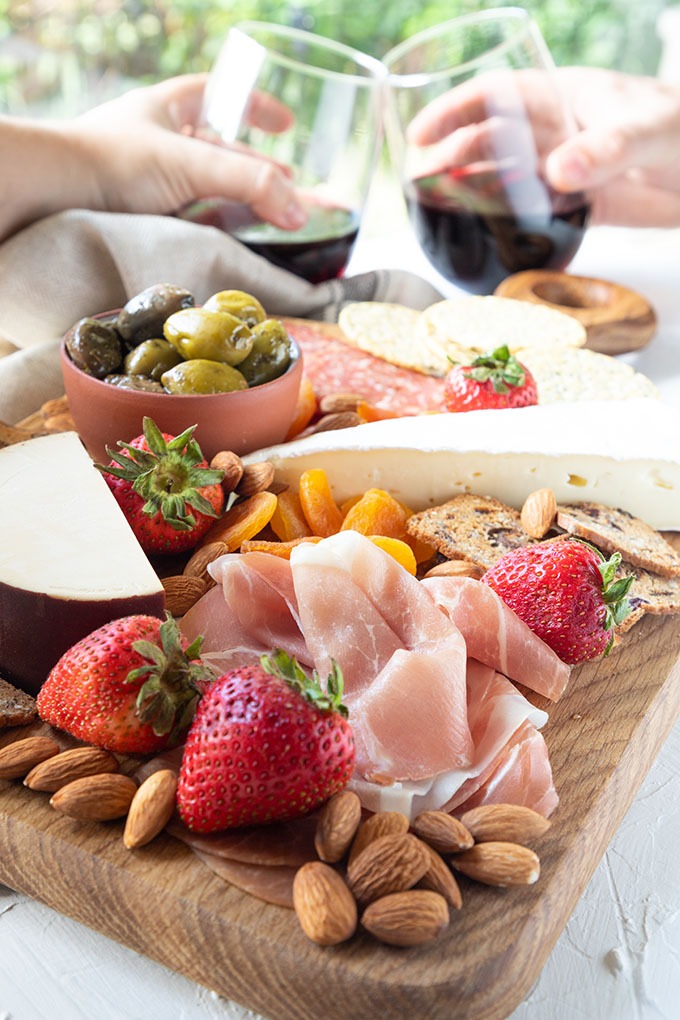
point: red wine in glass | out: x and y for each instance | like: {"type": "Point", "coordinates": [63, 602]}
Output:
{"type": "Point", "coordinates": [477, 225]}
{"type": "Point", "coordinates": [318, 251]}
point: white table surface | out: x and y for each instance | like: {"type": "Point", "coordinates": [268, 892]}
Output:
{"type": "Point", "coordinates": [619, 955]}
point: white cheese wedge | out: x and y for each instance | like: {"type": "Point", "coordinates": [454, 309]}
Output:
{"type": "Point", "coordinates": [69, 561]}
{"type": "Point", "coordinates": [621, 453]}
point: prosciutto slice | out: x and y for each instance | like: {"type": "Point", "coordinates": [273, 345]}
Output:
{"type": "Point", "coordinates": [496, 636]}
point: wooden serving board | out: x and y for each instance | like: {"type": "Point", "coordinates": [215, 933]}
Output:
{"type": "Point", "coordinates": [162, 901]}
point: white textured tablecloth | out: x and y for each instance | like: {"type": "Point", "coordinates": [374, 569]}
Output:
{"type": "Point", "coordinates": [619, 955]}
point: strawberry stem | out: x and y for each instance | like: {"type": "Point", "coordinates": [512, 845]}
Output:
{"type": "Point", "coordinates": [285, 667]}
{"type": "Point", "coordinates": [499, 367]}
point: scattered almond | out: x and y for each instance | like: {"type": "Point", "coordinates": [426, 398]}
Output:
{"type": "Point", "coordinates": [382, 823]}
{"type": "Point", "coordinates": [324, 906]}
{"type": "Point", "coordinates": [439, 878]}
{"type": "Point", "coordinates": [197, 564]}
{"type": "Point", "coordinates": [498, 863]}
{"type": "Point", "coordinates": [182, 591]}
{"type": "Point", "coordinates": [388, 864]}
{"type": "Point", "coordinates": [255, 478]}
{"type": "Point", "coordinates": [338, 822]}
{"type": "Point", "coordinates": [151, 809]}
{"type": "Point", "coordinates": [96, 798]}
{"type": "Point", "coordinates": [335, 403]}
{"type": "Point", "coordinates": [442, 831]}
{"type": "Point", "coordinates": [408, 918]}
{"type": "Point", "coordinates": [337, 420]}
{"type": "Point", "coordinates": [232, 465]}
{"type": "Point", "coordinates": [508, 823]}
{"type": "Point", "coordinates": [538, 512]}
{"type": "Point", "coordinates": [18, 758]}
{"type": "Point", "coordinates": [60, 769]}
{"type": "Point", "coordinates": [456, 568]}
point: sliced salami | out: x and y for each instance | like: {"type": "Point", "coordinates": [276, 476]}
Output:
{"type": "Point", "coordinates": [335, 367]}
{"type": "Point", "coordinates": [273, 884]}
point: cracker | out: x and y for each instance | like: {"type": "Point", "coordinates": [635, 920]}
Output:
{"type": "Point", "coordinates": [613, 530]}
{"type": "Point", "coordinates": [478, 529]}
{"type": "Point", "coordinates": [576, 374]}
{"type": "Point", "coordinates": [387, 331]}
{"type": "Point", "coordinates": [482, 323]}
{"type": "Point", "coordinates": [16, 707]}
{"type": "Point", "coordinates": [649, 593]}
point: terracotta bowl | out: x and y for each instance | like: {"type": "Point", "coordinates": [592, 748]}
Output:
{"type": "Point", "coordinates": [242, 421]}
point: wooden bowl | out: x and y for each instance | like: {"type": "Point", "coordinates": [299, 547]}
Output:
{"type": "Point", "coordinates": [616, 319]}
{"type": "Point", "coordinates": [242, 421]}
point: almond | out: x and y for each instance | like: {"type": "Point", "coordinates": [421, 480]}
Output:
{"type": "Point", "coordinates": [197, 564]}
{"type": "Point", "coordinates": [499, 864]}
{"type": "Point", "coordinates": [382, 823]}
{"type": "Point", "coordinates": [439, 878]}
{"type": "Point", "coordinates": [182, 591]}
{"type": "Point", "coordinates": [63, 768]}
{"type": "Point", "coordinates": [337, 420]}
{"type": "Point", "coordinates": [538, 512]}
{"type": "Point", "coordinates": [335, 403]}
{"type": "Point", "coordinates": [338, 822]}
{"type": "Point", "coordinates": [232, 465]}
{"type": "Point", "coordinates": [388, 864]}
{"type": "Point", "coordinates": [18, 758]}
{"type": "Point", "coordinates": [507, 823]}
{"type": "Point", "coordinates": [442, 831]}
{"type": "Point", "coordinates": [96, 798]}
{"type": "Point", "coordinates": [408, 918]}
{"type": "Point", "coordinates": [324, 906]}
{"type": "Point", "coordinates": [256, 478]}
{"type": "Point", "coordinates": [151, 809]}
{"type": "Point", "coordinates": [456, 568]}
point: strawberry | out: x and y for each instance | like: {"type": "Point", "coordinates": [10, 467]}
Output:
{"type": "Point", "coordinates": [493, 380]}
{"type": "Point", "coordinates": [267, 743]}
{"type": "Point", "coordinates": [131, 686]}
{"type": "Point", "coordinates": [566, 592]}
{"type": "Point", "coordinates": [165, 488]}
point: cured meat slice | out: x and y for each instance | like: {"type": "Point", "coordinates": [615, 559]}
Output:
{"type": "Point", "coordinates": [333, 367]}
{"type": "Point", "coordinates": [271, 884]}
{"type": "Point", "coordinates": [496, 636]}
{"type": "Point", "coordinates": [288, 843]}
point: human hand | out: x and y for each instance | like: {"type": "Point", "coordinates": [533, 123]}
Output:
{"type": "Point", "coordinates": [145, 155]}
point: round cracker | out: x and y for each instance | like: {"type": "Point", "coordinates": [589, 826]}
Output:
{"type": "Point", "coordinates": [387, 331]}
{"type": "Point", "coordinates": [479, 324]}
{"type": "Point", "coordinates": [570, 373]}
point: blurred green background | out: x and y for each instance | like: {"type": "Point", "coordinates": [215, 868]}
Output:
{"type": "Point", "coordinates": [57, 58]}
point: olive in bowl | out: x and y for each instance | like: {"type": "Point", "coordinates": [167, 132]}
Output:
{"type": "Point", "coordinates": [108, 402]}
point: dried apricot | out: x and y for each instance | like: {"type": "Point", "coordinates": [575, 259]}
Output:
{"type": "Point", "coordinates": [282, 549]}
{"type": "Point", "coordinates": [243, 520]}
{"type": "Point", "coordinates": [305, 408]}
{"type": "Point", "coordinates": [318, 505]}
{"type": "Point", "coordinates": [369, 412]}
{"type": "Point", "coordinates": [288, 520]}
{"type": "Point", "coordinates": [398, 550]}
{"type": "Point", "coordinates": [377, 513]}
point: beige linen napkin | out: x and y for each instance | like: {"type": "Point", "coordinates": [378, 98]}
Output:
{"type": "Point", "coordinates": [78, 263]}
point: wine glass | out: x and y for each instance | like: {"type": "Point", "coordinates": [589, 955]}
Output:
{"type": "Point", "coordinates": [329, 148]}
{"type": "Point", "coordinates": [473, 110]}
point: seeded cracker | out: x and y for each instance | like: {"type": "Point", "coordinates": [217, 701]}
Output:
{"type": "Point", "coordinates": [16, 707]}
{"type": "Point", "coordinates": [649, 593]}
{"type": "Point", "coordinates": [613, 530]}
{"type": "Point", "coordinates": [468, 527]}
{"type": "Point", "coordinates": [574, 374]}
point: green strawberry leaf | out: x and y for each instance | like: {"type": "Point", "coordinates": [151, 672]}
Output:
{"type": "Point", "coordinates": [328, 699]}
{"type": "Point", "coordinates": [499, 367]}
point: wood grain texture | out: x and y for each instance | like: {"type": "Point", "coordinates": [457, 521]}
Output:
{"type": "Point", "coordinates": [162, 901]}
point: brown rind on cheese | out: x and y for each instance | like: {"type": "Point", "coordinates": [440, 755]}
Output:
{"type": "Point", "coordinates": [479, 529]}
{"type": "Point", "coordinates": [17, 708]}
{"type": "Point", "coordinates": [613, 530]}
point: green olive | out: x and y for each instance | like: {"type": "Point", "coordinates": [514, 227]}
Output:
{"type": "Point", "coordinates": [271, 353]}
{"type": "Point", "coordinates": [95, 347]}
{"type": "Point", "coordinates": [238, 303]}
{"type": "Point", "coordinates": [200, 333]}
{"type": "Point", "coordinates": [142, 317]}
{"type": "Point", "coordinates": [152, 358]}
{"type": "Point", "coordinates": [202, 376]}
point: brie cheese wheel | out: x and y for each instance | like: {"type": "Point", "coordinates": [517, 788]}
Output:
{"type": "Point", "coordinates": [623, 454]}
{"type": "Point", "coordinates": [69, 561]}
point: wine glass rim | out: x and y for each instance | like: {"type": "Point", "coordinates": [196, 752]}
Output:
{"type": "Point", "coordinates": [376, 70]}
{"type": "Point", "coordinates": [517, 15]}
